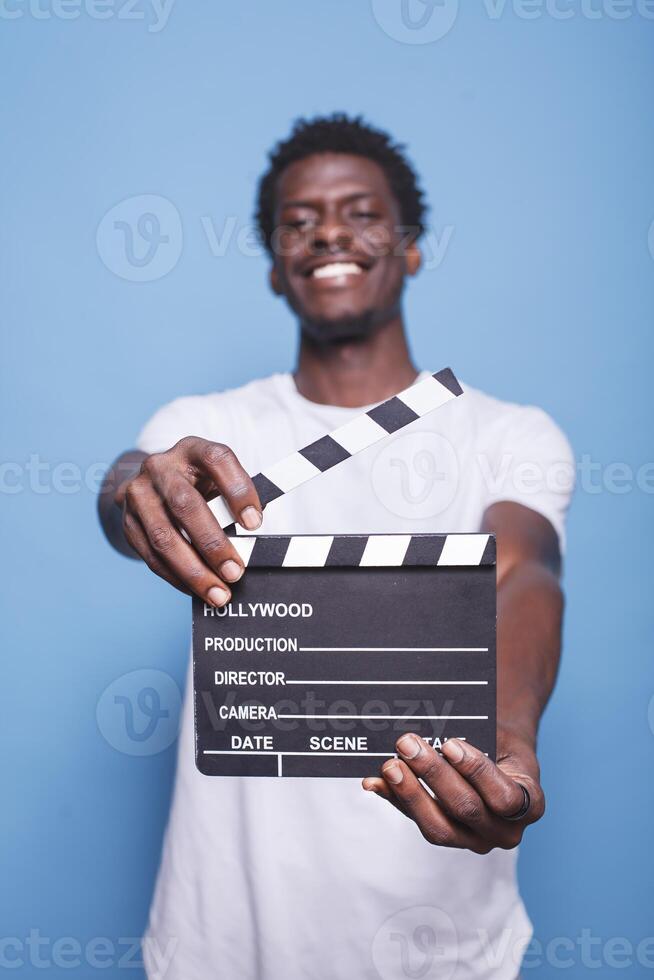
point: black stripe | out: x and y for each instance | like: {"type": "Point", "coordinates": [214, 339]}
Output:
{"type": "Point", "coordinates": [269, 551]}
{"type": "Point", "coordinates": [424, 549]}
{"type": "Point", "coordinates": [392, 415]}
{"type": "Point", "coordinates": [347, 550]}
{"type": "Point", "coordinates": [325, 453]}
{"type": "Point", "coordinates": [266, 489]}
{"type": "Point", "coordinates": [447, 378]}
{"type": "Point", "coordinates": [489, 555]}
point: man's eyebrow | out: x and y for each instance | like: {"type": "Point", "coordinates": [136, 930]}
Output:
{"type": "Point", "coordinates": [298, 204]}
{"type": "Point", "coordinates": [314, 204]}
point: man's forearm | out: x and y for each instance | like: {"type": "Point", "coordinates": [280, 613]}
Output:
{"type": "Point", "coordinates": [125, 467]}
{"type": "Point", "coordinates": [530, 612]}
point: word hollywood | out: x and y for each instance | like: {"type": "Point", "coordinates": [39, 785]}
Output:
{"type": "Point", "coordinates": [246, 609]}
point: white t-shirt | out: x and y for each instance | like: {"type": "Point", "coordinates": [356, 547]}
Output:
{"type": "Point", "coordinates": [309, 879]}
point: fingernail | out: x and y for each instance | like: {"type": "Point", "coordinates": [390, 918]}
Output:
{"type": "Point", "coordinates": [453, 750]}
{"type": "Point", "coordinates": [231, 571]}
{"type": "Point", "coordinates": [251, 518]}
{"type": "Point", "coordinates": [393, 773]}
{"type": "Point", "coordinates": [218, 596]}
{"type": "Point", "coordinates": [409, 746]}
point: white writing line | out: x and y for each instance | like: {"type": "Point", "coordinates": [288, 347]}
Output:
{"type": "Point", "coordinates": [394, 649]}
{"type": "Point", "coordinates": [384, 755]}
{"type": "Point", "coordinates": [346, 717]}
{"type": "Point", "coordinates": [398, 683]}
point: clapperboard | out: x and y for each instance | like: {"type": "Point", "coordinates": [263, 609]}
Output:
{"type": "Point", "coordinates": [333, 646]}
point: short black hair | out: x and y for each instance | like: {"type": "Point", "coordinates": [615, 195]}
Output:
{"type": "Point", "coordinates": [339, 133]}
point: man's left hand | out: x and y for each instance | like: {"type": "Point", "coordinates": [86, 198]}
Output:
{"type": "Point", "coordinates": [473, 801]}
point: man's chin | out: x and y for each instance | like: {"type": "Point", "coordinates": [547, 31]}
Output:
{"type": "Point", "coordinates": [324, 331]}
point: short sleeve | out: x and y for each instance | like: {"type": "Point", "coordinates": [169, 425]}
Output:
{"type": "Point", "coordinates": [190, 416]}
{"type": "Point", "coordinates": [535, 468]}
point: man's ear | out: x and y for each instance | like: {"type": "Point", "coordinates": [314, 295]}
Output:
{"type": "Point", "coordinates": [413, 259]}
{"type": "Point", "coordinates": [274, 280]}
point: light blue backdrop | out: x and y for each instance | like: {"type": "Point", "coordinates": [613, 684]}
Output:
{"type": "Point", "coordinates": [532, 133]}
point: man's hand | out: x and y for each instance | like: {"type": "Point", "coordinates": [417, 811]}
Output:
{"type": "Point", "coordinates": [474, 799]}
{"type": "Point", "coordinates": [169, 495]}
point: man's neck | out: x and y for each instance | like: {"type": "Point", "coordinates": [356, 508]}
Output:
{"type": "Point", "coordinates": [356, 373]}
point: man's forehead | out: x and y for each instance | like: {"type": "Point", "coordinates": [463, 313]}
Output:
{"type": "Point", "coordinates": [327, 176]}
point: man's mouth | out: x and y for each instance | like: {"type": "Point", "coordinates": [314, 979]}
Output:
{"type": "Point", "coordinates": [336, 270]}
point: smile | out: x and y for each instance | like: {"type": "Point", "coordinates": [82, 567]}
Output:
{"type": "Point", "coordinates": [335, 270]}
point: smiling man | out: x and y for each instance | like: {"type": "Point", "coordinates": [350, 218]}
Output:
{"type": "Point", "coordinates": [300, 878]}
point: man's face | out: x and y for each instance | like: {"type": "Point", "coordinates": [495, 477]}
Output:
{"type": "Point", "coordinates": [340, 251]}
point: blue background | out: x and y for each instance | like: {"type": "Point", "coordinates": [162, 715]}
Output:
{"type": "Point", "coordinates": [534, 142]}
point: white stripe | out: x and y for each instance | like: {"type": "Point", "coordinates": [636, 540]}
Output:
{"type": "Point", "coordinates": [358, 434]}
{"type": "Point", "coordinates": [426, 395]}
{"type": "Point", "coordinates": [221, 511]}
{"type": "Point", "coordinates": [244, 546]}
{"type": "Point", "coordinates": [308, 552]}
{"type": "Point", "coordinates": [463, 549]}
{"type": "Point", "coordinates": [291, 472]}
{"type": "Point", "coordinates": [385, 549]}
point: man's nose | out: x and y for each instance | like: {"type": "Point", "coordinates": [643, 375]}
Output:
{"type": "Point", "coordinates": [332, 235]}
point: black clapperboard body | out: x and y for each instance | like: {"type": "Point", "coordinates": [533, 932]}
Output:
{"type": "Point", "coordinates": [333, 646]}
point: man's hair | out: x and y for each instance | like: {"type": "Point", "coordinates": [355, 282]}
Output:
{"type": "Point", "coordinates": [340, 133]}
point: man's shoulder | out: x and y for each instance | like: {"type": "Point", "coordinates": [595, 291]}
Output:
{"type": "Point", "coordinates": [252, 395]}
{"type": "Point", "coordinates": [498, 417]}
{"type": "Point", "coordinates": [215, 415]}
{"type": "Point", "coordinates": [492, 407]}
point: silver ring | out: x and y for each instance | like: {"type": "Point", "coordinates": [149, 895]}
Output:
{"type": "Point", "coordinates": [524, 809]}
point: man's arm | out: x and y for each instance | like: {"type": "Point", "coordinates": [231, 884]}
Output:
{"type": "Point", "coordinates": [529, 617]}
{"type": "Point", "coordinates": [479, 800]}
{"type": "Point", "coordinates": [111, 516]}
{"type": "Point", "coordinates": [155, 507]}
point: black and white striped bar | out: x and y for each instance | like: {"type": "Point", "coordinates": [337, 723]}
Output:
{"type": "Point", "coordinates": [365, 550]}
{"type": "Point", "coordinates": [360, 433]}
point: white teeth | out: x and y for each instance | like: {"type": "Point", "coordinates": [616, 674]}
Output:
{"type": "Point", "coordinates": [336, 269]}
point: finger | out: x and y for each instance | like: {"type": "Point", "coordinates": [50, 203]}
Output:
{"type": "Point", "coordinates": [434, 825]}
{"type": "Point", "coordinates": [231, 480]}
{"type": "Point", "coordinates": [137, 538]}
{"type": "Point", "coordinates": [501, 794]}
{"type": "Point", "coordinates": [169, 547]}
{"type": "Point", "coordinates": [191, 512]}
{"type": "Point", "coordinates": [376, 785]}
{"type": "Point", "coordinates": [456, 796]}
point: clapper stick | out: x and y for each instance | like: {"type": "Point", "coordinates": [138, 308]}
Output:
{"type": "Point", "coordinates": [346, 441]}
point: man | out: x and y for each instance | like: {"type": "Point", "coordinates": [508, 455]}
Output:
{"type": "Point", "coordinates": [305, 878]}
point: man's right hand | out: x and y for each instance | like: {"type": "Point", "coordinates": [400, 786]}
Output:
{"type": "Point", "coordinates": [169, 495]}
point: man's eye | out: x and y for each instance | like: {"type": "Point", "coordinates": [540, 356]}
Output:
{"type": "Point", "coordinates": [299, 224]}
{"type": "Point", "coordinates": [367, 214]}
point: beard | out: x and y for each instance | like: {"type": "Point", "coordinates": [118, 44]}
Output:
{"type": "Point", "coordinates": [325, 332]}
